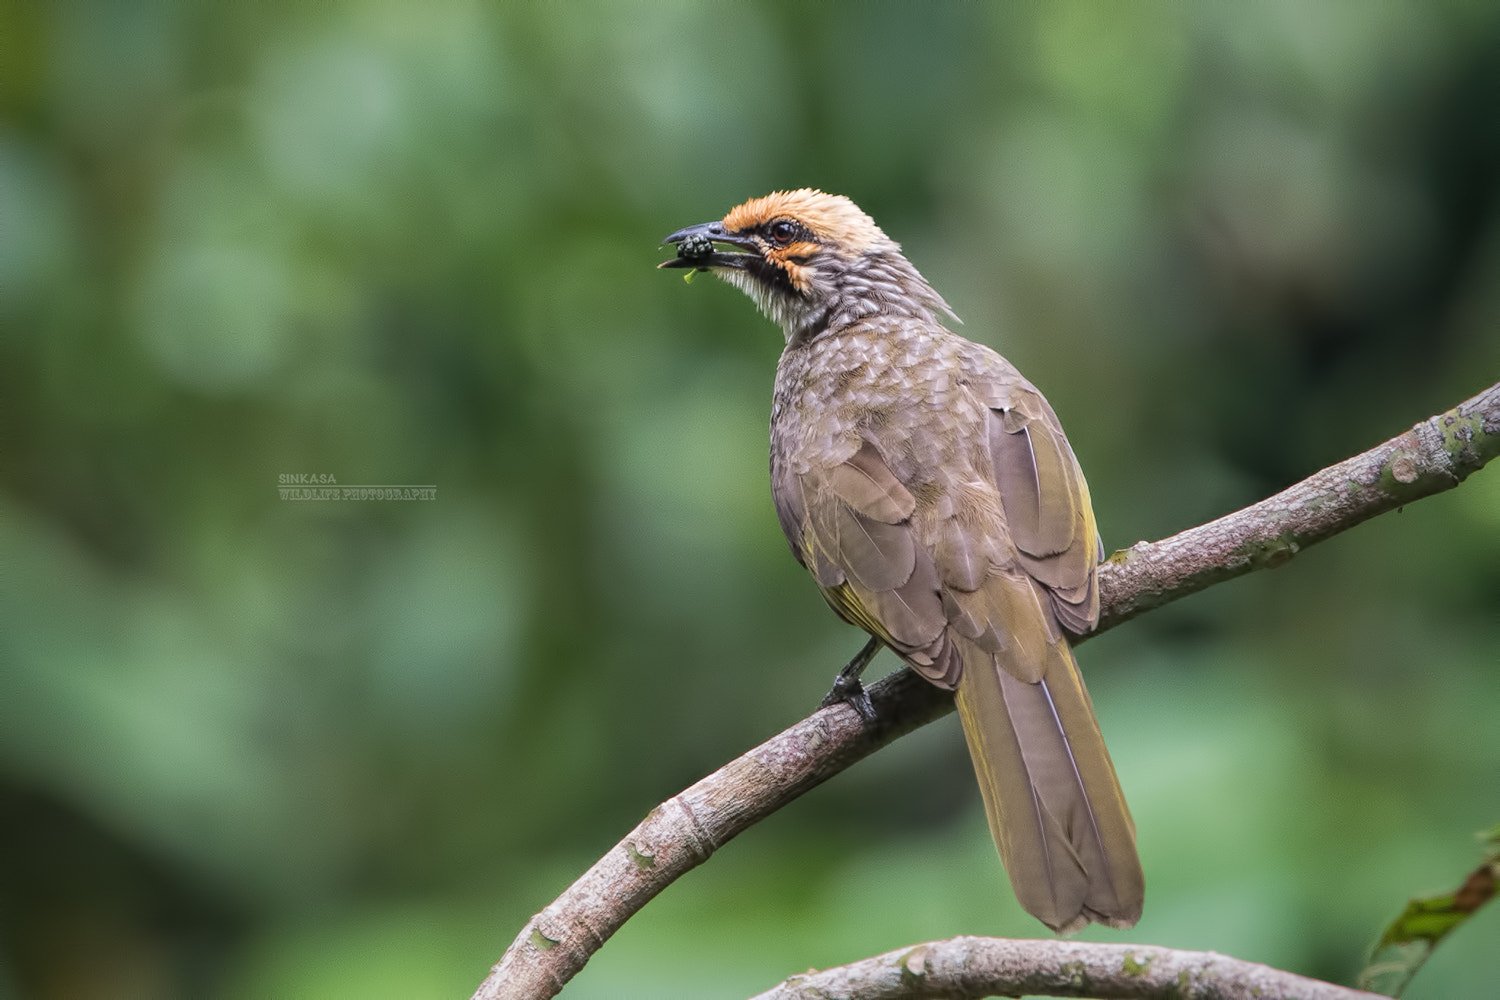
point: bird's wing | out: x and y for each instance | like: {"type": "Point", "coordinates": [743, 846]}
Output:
{"type": "Point", "coordinates": [1046, 500]}
{"type": "Point", "coordinates": [1016, 547]}
{"type": "Point", "coordinates": [1006, 553]}
{"type": "Point", "coordinates": [791, 511]}
{"type": "Point", "coordinates": [851, 526]}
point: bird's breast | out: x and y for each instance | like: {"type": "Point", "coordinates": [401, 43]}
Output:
{"type": "Point", "coordinates": [899, 385]}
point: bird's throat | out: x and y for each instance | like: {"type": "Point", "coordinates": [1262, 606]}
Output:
{"type": "Point", "coordinates": [798, 317]}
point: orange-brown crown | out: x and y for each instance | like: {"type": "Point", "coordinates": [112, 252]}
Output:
{"type": "Point", "coordinates": [830, 218]}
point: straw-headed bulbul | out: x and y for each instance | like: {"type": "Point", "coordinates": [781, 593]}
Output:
{"type": "Point", "coordinates": [930, 491]}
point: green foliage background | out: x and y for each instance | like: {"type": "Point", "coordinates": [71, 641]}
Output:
{"type": "Point", "coordinates": [255, 748]}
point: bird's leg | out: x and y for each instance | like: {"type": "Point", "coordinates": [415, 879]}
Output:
{"type": "Point", "coordinates": [848, 689]}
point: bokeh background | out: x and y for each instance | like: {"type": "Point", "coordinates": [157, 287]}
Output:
{"type": "Point", "coordinates": [259, 748]}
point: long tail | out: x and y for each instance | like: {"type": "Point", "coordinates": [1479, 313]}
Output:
{"type": "Point", "coordinates": [1050, 792]}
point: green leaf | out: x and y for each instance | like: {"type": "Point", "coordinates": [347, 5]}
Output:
{"type": "Point", "coordinates": [1411, 938]}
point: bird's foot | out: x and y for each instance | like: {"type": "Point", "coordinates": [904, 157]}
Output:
{"type": "Point", "coordinates": [850, 691]}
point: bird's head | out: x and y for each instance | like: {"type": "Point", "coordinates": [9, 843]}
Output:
{"type": "Point", "coordinates": [811, 261]}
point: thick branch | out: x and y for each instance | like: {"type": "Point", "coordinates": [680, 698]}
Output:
{"type": "Point", "coordinates": [682, 832]}
{"type": "Point", "coordinates": [966, 967]}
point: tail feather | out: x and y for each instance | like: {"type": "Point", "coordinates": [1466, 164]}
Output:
{"type": "Point", "coordinates": [1054, 804]}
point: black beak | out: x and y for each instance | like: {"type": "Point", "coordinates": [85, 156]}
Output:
{"type": "Point", "coordinates": [695, 247]}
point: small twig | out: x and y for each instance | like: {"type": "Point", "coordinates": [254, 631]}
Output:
{"type": "Point", "coordinates": [684, 831]}
{"type": "Point", "coordinates": [967, 967]}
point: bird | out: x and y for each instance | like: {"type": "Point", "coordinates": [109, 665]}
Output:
{"type": "Point", "coordinates": [931, 492]}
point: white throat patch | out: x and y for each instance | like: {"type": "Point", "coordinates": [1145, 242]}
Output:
{"type": "Point", "coordinates": [790, 313]}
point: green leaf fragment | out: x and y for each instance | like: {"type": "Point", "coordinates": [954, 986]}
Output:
{"type": "Point", "coordinates": [1411, 938]}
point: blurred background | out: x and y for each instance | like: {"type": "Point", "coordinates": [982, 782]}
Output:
{"type": "Point", "coordinates": [253, 747]}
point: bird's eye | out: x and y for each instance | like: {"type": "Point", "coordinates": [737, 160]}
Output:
{"type": "Point", "coordinates": [783, 232]}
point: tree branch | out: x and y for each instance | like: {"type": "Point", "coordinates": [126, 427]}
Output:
{"type": "Point", "coordinates": [681, 833]}
{"type": "Point", "coordinates": [1435, 455]}
{"type": "Point", "coordinates": [966, 967]}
